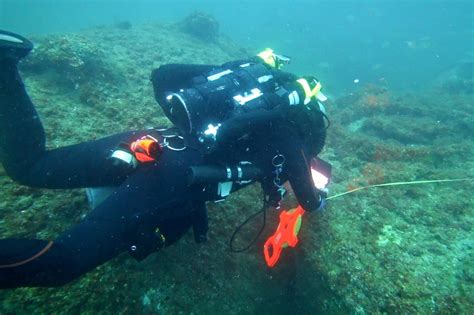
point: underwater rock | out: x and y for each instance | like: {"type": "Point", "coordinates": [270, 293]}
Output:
{"type": "Point", "coordinates": [200, 25]}
{"type": "Point", "coordinates": [74, 58]}
{"type": "Point", "coordinates": [374, 97]}
{"type": "Point", "coordinates": [393, 250]}
{"type": "Point", "coordinates": [123, 25]}
{"type": "Point", "coordinates": [457, 80]}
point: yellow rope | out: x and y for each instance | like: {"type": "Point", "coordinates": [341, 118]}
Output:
{"type": "Point", "coordinates": [401, 183]}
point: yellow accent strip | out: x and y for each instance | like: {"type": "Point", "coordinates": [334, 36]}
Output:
{"type": "Point", "coordinates": [307, 90]}
{"type": "Point", "coordinates": [268, 57]}
{"type": "Point", "coordinates": [297, 227]}
{"type": "Point", "coordinates": [316, 89]}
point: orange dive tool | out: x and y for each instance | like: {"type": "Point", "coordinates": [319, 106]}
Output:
{"type": "Point", "coordinates": [285, 235]}
{"type": "Point", "coordinates": [146, 149]}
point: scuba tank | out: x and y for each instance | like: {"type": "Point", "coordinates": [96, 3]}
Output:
{"type": "Point", "coordinates": [215, 97]}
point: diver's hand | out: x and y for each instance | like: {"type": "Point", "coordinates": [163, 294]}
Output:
{"type": "Point", "coordinates": [322, 204]}
{"type": "Point", "coordinates": [290, 201]}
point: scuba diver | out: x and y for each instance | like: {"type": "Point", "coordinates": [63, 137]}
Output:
{"type": "Point", "coordinates": [234, 124]}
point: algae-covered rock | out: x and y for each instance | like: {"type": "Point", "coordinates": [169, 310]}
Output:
{"type": "Point", "coordinates": [200, 25]}
{"type": "Point", "coordinates": [458, 79]}
{"type": "Point", "coordinates": [75, 58]}
{"type": "Point", "coordinates": [400, 249]}
{"type": "Point", "coordinates": [123, 25]}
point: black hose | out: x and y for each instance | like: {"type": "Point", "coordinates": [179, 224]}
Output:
{"type": "Point", "coordinates": [232, 238]}
{"type": "Point", "coordinates": [212, 174]}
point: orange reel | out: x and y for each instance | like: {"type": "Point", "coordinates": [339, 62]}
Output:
{"type": "Point", "coordinates": [285, 235]}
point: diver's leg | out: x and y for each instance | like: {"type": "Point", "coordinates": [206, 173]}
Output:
{"type": "Point", "coordinates": [38, 263]}
{"type": "Point", "coordinates": [22, 138]}
{"type": "Point", "coordinates": [87, 164]}
{"type": "Point", "coordinates": [127, 220]}
{"type": "Point", "coordinates": [22, 145]}
{"type": "Point", "coordinates": [152, 196]}
{"type": "Point", "coordinates": [95, 240]}
{"type": "Point", "coordinates": [25, 262]}
{"type": "Point", "coordinates": [22, 135]}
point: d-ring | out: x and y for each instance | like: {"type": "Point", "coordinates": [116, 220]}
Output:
{"type": "Point", "coordinates": [278, 160]}
{"type": "Point", "coordinates": [167, 144]}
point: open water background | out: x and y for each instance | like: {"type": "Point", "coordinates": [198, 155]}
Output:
{"type": "Point", "coordinates": [401, 44]}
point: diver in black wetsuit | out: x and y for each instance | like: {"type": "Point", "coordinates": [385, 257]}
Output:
{"type": "Point", "coordinates": [153, 202]}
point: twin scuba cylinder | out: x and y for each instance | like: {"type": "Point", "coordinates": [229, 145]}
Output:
{"type": "Point", "coordinates": [199, 111]}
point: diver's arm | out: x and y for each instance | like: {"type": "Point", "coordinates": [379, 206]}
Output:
{"type": "Point", "coordinates": [297, 171]}
{"type": "Point", "coordinates": [236, 127]}
{"type": "Point", "coordinates": [240, 125]}
{"type": "Point", "coordinates": [299, 176]}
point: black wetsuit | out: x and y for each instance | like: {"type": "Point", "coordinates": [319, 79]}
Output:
{"type": "Point", "coordinates": [153, 196]}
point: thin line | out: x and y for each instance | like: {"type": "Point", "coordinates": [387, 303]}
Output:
{"type": "Point", "coordinates": [399, 184]}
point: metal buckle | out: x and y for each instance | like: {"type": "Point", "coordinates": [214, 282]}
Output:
{"type": "Point", "coordinates": [278, 160]}
{"type": "Point", "coordinates": [166, 143]}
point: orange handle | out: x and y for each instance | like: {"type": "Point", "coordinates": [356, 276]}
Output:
{"type": "Point", "coordinates": [285, 235]}
{"type": "Point", "coordinates": [271, 251]}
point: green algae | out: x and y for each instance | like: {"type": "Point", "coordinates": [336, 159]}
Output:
{"type": "Point", "coordinates": [386, 250]}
